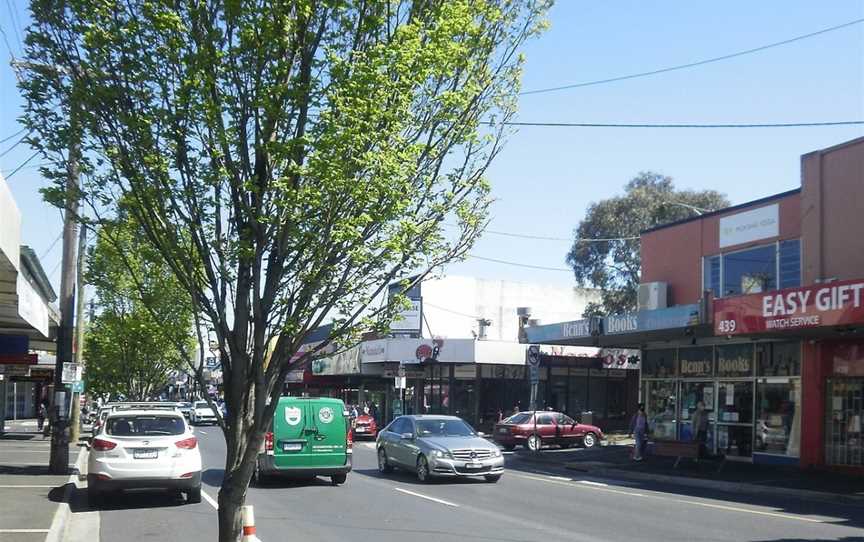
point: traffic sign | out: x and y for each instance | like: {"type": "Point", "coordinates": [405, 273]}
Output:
{"type": "Point", "coordinates": [72, 372]}
{"type": "Point", "coordinates": [533, 356]}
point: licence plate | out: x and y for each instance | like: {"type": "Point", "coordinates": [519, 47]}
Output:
{"type": "Point", "coordinates": [503, 431]}
{"type": "Point", "coordinates": [473, 465]}
{"type": "Point", "coordinates": [292, 446]}
{"type": "Point", "coordinates": [361, 429]}
{"type": "Point", "coordinates": [145, 454]}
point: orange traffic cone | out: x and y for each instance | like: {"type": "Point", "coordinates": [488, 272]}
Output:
{"type": "Point", "coordinates": [248, 516]}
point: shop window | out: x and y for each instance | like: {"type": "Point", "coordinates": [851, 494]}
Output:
{"type": "Point", "coordinates": [577, 399]}
{"type": "Point", "coordinates": [750, 271]}
{"type": "Point", "coordinates": [661, 403]}
{"type": "Point", "coordinates": [696, 362]}
{"type": "Point", "coordinates": [659, 363]}
{"type": "Point", "coordinates": [691, 394]}
{"type": "Point", "coordinates": [597, 393]}
{"type": "Point", "coordinates": [734, 360]}
{"type": "Point", "coordinates": [735, 402]}
{"type": "Point", "coordinates": [711, 275]}
{"type": "Point", "coordinates": [790, 263]}
{"type": "Point", "coordinates": [779, 359]}
{"type": "Point", "coordinates": [778, 424]}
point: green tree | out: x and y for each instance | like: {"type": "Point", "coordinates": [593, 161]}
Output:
{"type": "Point", "coordinates": [288, 160]}
{"type": "Point", "coordinates": [143, 331]}
{"type": "Point", "coordinates": [614, 266]}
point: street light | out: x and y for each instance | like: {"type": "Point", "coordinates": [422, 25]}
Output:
{"type": "Point", "coordinates": [698, 210]}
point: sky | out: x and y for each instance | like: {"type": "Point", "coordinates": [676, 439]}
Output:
{"type": "Point", "coordinates": [545, 178]}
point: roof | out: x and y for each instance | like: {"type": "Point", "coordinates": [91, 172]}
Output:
{"type": "Point", "coordinates": [145, 412]}
{"type": "Point", "coordinates": [34, 269]}
{"type": "Point", "coordinates": [430, 417]}
{"type": "Point", "coordinates": [723, 211]}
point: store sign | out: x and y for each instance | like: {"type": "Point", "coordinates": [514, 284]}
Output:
{"type": "Point", "coordinates": [14, 344]}
{"type": "Point", "coordinates": [346, 362]}
{"type": "Point", "coordinates": [15, 370]}
{"type": "Point", "coordinates": [696, 362]}
{"type": "Point", "coordinates": [576, 329]}
{"type": "Point", "coordinates": [19, 359]}
{"type": "Point", "coordinates": [831, 304]}
{"type": "Point", "coordinates": [410, 319]}
{"type": "Point", "coordinates": [620, 358]}
{"type": "Point", "coordinates": [761, 223]}
{"type": "Point", "coordinates": [652, 320]}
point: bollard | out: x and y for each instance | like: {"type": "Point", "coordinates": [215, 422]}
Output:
{"type": "Point", "coordinates": [248, 518]}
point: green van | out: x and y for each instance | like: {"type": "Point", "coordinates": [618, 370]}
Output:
{"type": "Point", "coordinates": [310, 437]}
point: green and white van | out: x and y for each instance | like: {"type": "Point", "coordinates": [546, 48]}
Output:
{"type": "Point", "coordinates": [310, 436]}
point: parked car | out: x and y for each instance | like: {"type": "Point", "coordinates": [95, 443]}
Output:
{"type": "Point", "coordinates": [365, 425]}
{"type": "Point", "coordinates": [144, 449]}
{"type": "Point", "coordinates": [550, 428]}
{"type": "Point", "coordinates": [309, 437]}
{"type": "Point", "coordinates": [202, 413]}
{"type": "Point", "coordinates": [185, 408]}
{"type": "Point", "coordinates": [433, 446]}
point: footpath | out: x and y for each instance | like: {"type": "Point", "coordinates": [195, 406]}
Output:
{"type": "Point", "coordinates": [34, 501]}
{"type": "Point", "coordinates": [613, 462]}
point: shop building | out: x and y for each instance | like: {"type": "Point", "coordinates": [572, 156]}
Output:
{"type": "Point", "coordinates": [757, 311]}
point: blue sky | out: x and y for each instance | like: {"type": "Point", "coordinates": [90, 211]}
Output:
{"type": "Point", "coordinates": [546, 177]}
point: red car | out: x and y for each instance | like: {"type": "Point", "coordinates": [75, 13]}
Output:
{"type": "Point", "coordinates": [551, 428]}
{"type": "Point", "coordinates": [365, 425]}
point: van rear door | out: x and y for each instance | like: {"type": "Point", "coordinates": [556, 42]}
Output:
{"type": "Point", "coordinates": [327, 433]}
{"type": "Point", "coordinates": [290, 439]}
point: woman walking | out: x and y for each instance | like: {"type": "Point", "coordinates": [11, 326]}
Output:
{"type": "Point", "coordinates": [639, 430]}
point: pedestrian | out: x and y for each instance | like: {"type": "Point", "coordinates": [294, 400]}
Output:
{"type": "Point", "coordinates": [366, 407]}
{"type": "Point", "coordinates": [516, 409]}
{"type": "Point", "coordinates": [700, 426]}
{"type": "Point", "coordinates": [41, 412]}
{"type": "Point", "coordinates": [639, 430]}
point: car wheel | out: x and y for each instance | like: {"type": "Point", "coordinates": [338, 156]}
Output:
{"type": "Point", "coordinates": [383, 465]}
{"type": "Point", "coordinates": [258, 478]}
{"type": "Point", "coordinates": [534, 443]}
{"type": "Point", "coordinates": [589, 440]}
{"type": "Point", "coordinates": [338, 479]}
{"type": "Point", "coordinates": [423, 469]}
{"type": "Point", "coordinates": [492, 478]}
{"type": "Point", "coordinates": [193, 496]}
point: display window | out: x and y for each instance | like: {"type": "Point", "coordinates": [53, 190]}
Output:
{"type": "Point", "coordinates": [691, 394]}
{"type": "Point", "coordinates": [661, 404]}
{"type": "Point", "coordinates": [778, 420]}
{"type": "Point", "coordinates": [659, 363]}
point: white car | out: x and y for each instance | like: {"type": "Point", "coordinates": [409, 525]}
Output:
{"type": "Point", "coordinates": [144, 449]}
{"type": "Point", "coordinates": [202, 413]}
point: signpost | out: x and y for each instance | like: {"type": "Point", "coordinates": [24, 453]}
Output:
{"type": "Point", "coordinates": [71, 373]}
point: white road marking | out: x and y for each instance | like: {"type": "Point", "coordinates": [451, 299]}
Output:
{"type": "Point", "coordinates": [550, 480]}
{"type": "Point", "coordinates": [24, 530]}
{"type": "Point", "coordinates": [210, 500]}
{"type": "Point", "coordinates": [202, 432]}
{"type": "Point", "coordinates": [590, 483]}
{"type": "Point", "coordinates": [428, 498]}
{"type": "Point", "coordinates": [22, 485]}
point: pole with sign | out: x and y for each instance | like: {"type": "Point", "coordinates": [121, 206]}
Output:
{"type": "Point", "coordinates": [533, 362]}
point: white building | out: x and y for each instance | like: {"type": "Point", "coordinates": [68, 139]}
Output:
{"type": "Point", "coordinates": [453, 305]}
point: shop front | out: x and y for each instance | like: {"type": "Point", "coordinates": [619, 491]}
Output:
{"type": "Point", "coordinates": [809, 388]}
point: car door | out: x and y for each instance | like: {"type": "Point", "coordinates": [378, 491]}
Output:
{"type": "Point", "coordinates": [546, 426]}
{"type": "Point", "coordinates": [569, 431]}
{"type": "Point", "coordinates": [393, 440]}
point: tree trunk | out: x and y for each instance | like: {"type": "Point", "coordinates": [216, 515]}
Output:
{"type": "Point", "coordinates": [232, 494]}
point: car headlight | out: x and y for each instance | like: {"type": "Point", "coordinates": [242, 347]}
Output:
{"type": "Point", "coordinates": [496, 452]}
{"type": "Point", "coordinates": [439, 453]}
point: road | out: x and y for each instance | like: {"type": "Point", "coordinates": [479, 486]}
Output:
{"type": "Point", "coordinates": [526, 505]}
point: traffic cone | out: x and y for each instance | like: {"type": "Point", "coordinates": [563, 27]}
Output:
{"type": "Point", "coordinates": [248, 516]}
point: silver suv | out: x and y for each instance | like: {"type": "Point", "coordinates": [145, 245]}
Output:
{"type": "Point", "coordinates": [437, 446]}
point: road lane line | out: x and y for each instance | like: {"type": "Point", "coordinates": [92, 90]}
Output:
{"type": "Point", "coordinates": [779, 515]}
{"type": "Point", "coordinates": [22, 531]}
{"type": "Point", "coordinates": [210, 499]}
{"type": "Point", "coordinates": [22, 485]}
{"type": "Point", "coordinates": [202, 432]}
{"type": "Point", "coordinates": [428, 498]}
{"type": "Point", "coordinates": [590, 483]}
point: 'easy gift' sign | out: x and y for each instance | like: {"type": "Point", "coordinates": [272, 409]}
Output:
{"type": "Point", "coordinates": [829, 304]}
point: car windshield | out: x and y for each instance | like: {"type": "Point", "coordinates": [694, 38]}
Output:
{"type": "Point", "coordinates": [145, 426]}
{"type": "Point", "coordinates": [443, 428]}
{"type": "Point", "coordinates": [516, 419]}
{"type": "Point", "coordinates": [202, 404]}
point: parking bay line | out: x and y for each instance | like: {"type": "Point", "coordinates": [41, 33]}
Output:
{"type": "Point", "coordinates": [682, 501]}
{"type": "Point", "coordinates": [428, 498]}
{"type": "Point", "coordinates": [210, 500]}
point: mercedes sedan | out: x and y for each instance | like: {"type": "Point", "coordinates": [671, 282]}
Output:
{"type": "Point", "coordinates": [433, 446]}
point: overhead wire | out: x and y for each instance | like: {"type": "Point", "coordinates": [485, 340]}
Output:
{"type": "Point", "coordinates": [517, 264]}
{"type": "Point", "coordinates": [16, 134]}
{"type": "Point", "coordinates": [7, 151]}
{"type": "Point", "coordinates": [692, 64]}
{"type": "Point", "coordinates": [17, 169]}
{"type": "Point", "coordinates": [50, 248]}
{"type": "Point", "coordinates": [13, 15]}
{"type": "Point", "coordinates": [685, 125]}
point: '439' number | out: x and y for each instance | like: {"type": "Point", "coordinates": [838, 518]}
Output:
{"type": "Point", "coordinates": [726, 326]}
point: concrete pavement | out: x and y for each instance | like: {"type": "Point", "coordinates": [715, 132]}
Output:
{"type": "Point", "coordinates": [31, 497]}
{"type": "Point", "coordinates": [531, 502]}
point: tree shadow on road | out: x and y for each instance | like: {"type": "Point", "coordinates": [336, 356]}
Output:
{"type": "Point", "coordinates": [77, 499]}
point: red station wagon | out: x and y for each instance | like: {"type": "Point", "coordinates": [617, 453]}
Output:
{"type": "Point", "coordinates": [364, 426]}
{"type": "Point", "coordinates": [551, 428]}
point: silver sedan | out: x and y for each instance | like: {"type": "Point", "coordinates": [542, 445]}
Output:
{"type": "Point", "coordinates": [437, 446]}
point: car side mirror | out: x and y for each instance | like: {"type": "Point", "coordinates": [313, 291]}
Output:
{"type": "Point", "coordinates": [407, 436]}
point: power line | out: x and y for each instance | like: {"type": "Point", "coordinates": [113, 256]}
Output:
{"type": "Point", "coordinates": [517, 264]}
{"type": "Point", "coordinates": [15, 24]}
{"type": "Point", "coordinates": [546, 238]}
{"type": "Point", "coordinates": [17, 169]}
{"type": "Point", "coordinates": [451, 311]}
{"type": "Point", "coordinates": [49, 249]}
{"type": "Point", "coordinates": [7, 151]}
{"type": "Point", "coordinates": [672, 125]}
{"type": "Point", "coordinates": [692, 64]}
{"type": "Point", "coordinates": [16, 134]}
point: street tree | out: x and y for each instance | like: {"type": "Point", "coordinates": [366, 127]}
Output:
{"type": "Point", "coordinates": [614, 266]}
{"type": "Point", "coordinates": [288, 160]}
{"type": "Point", "coordinates": [143, 331]}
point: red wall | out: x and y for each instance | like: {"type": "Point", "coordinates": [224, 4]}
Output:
{"type": "Point", "coordinates": [674, 254]}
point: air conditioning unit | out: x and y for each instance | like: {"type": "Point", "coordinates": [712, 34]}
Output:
{"type": "Point", "coordinates": [652, 295]}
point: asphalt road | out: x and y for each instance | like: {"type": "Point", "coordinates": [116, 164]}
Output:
{"type": "Point", "coordinates": [528, 504]}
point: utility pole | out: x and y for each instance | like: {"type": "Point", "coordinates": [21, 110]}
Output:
{"type": "Point", "coordinates": [75, 417]}
{"type": "Point", "coordinates": [59, 461]}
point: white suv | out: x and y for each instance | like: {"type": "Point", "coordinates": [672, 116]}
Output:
{"type": "Point", "coordinates": [202, 413]}
{"type": "Point", "coordinates": [144, 449]}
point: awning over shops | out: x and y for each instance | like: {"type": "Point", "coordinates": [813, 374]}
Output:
{"type": "Point", "coordinates": [407, 350]}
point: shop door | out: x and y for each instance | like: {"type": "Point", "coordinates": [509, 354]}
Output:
{"type": "Point", "coordinates": [692, 393]}
{"type": "Point", "coordinates": [844, 412]}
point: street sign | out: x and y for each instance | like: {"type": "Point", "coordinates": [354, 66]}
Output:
{"type": "Point", "coordinates": [71, 373]}
{"type": "Point", "coordinates": [400, 382]}
{"type": "Point", "coordinates": [533, 356]}
{"type": "Point", "coordinates": [78, 386]}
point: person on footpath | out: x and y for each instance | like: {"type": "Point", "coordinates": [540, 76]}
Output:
{"type": "Point", "coordinates": [639, 430]}
{"type": "Point", "coordinates": [700, 427]}
{"type": "Point", "coordinates": [40, 416]}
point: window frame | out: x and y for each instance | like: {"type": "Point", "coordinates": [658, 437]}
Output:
{"type": "Point", "coordinates": [722, 255]}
